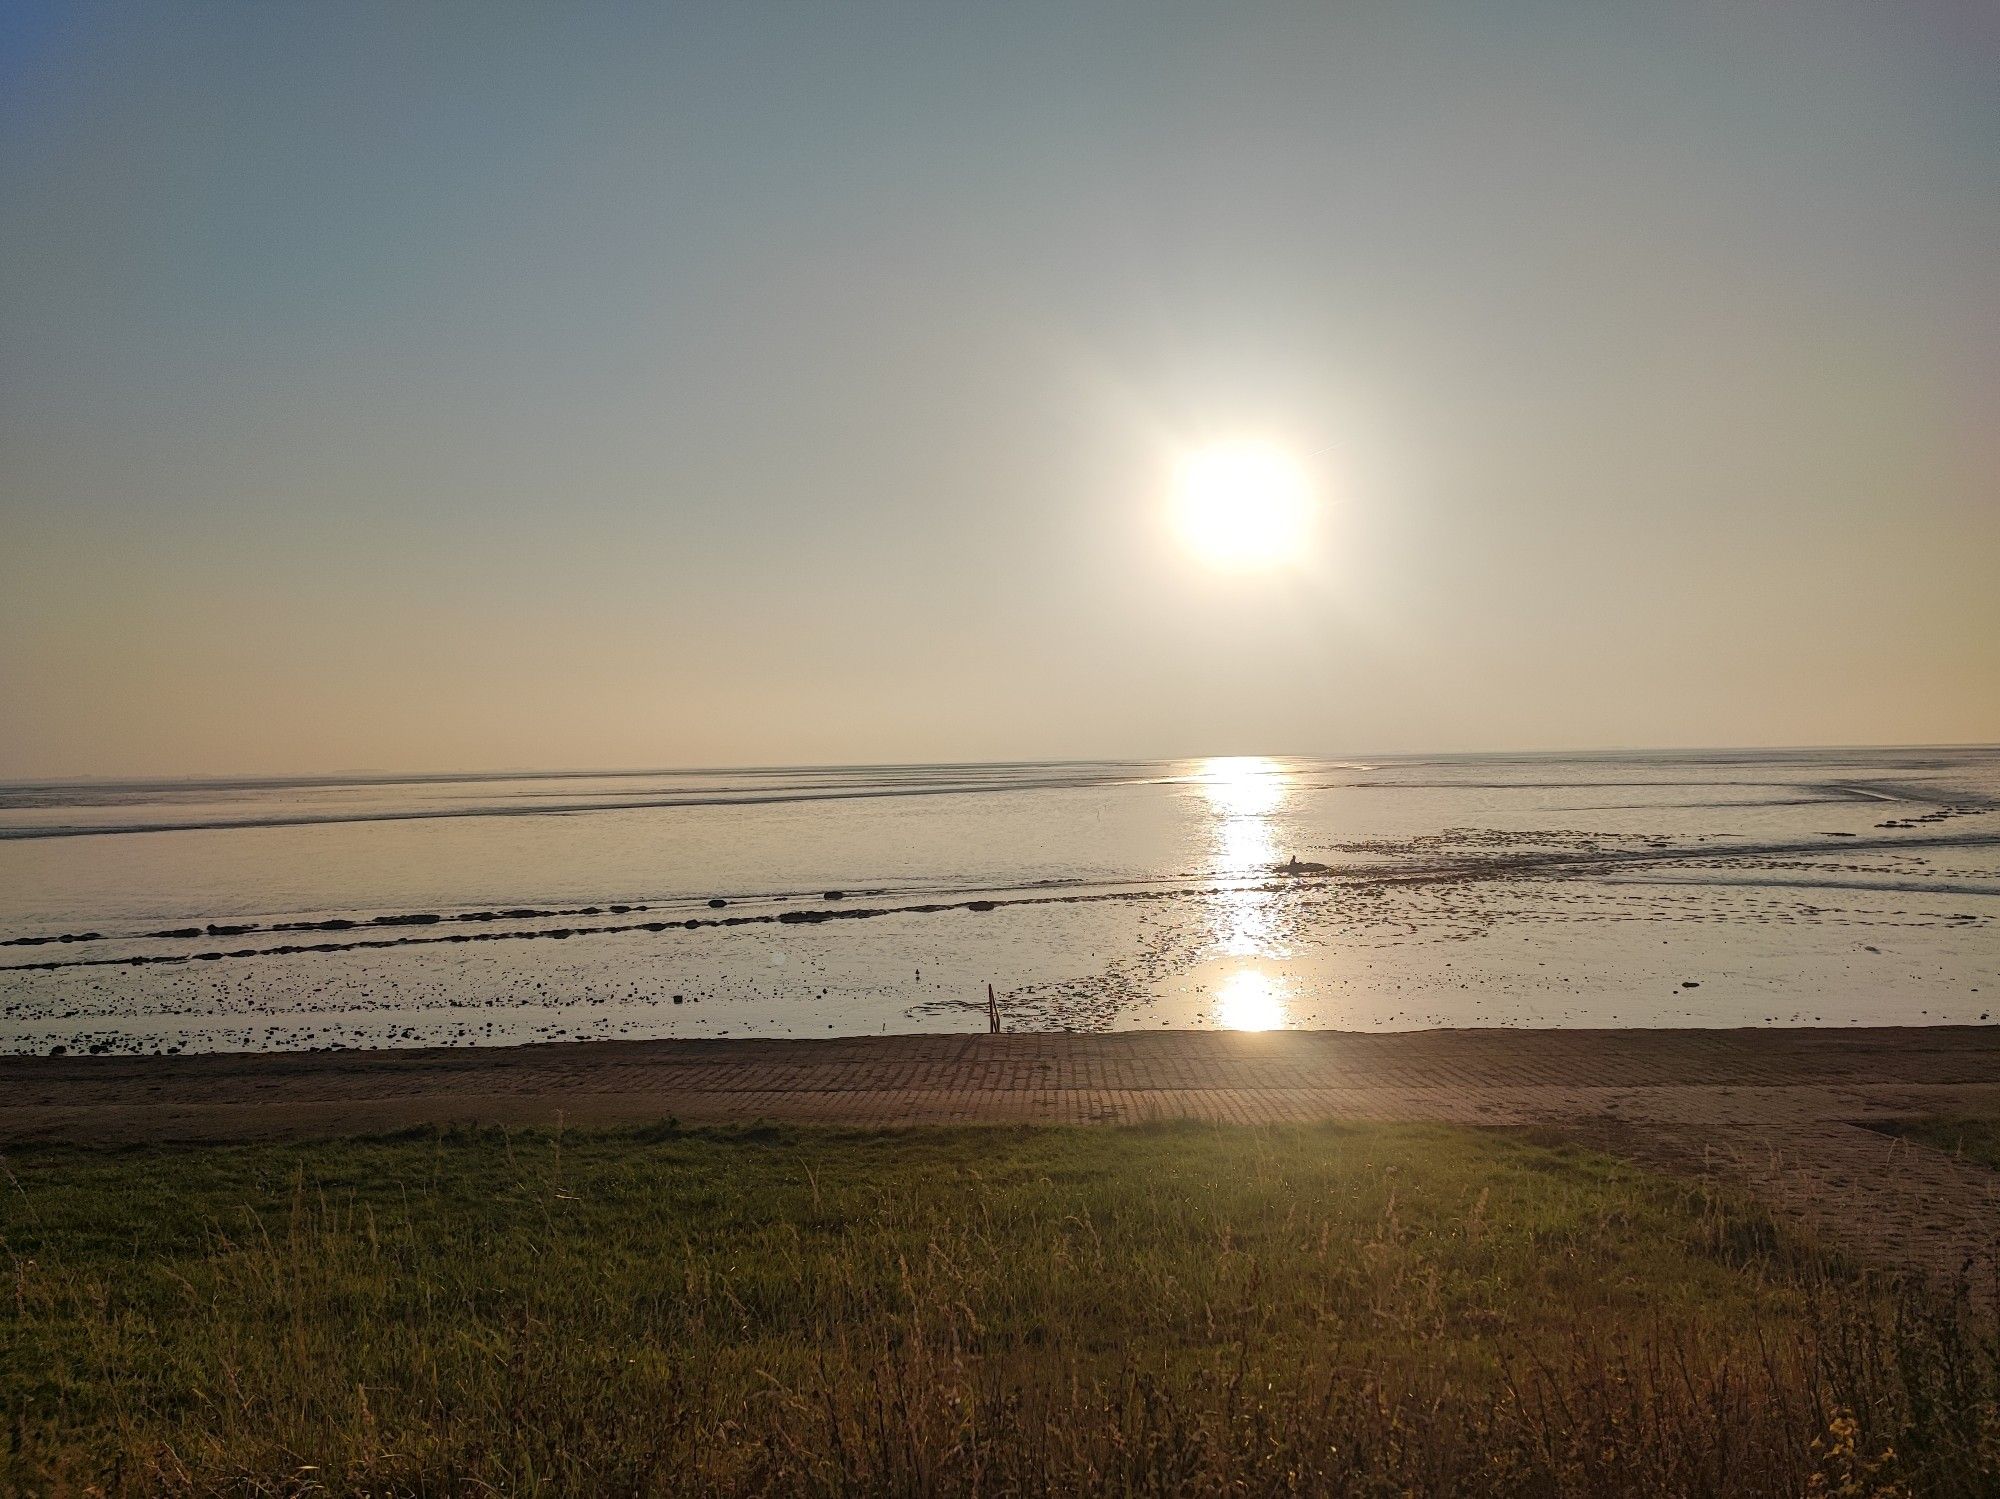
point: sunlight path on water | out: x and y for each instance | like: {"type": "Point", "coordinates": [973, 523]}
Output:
{"type": "Point", "coordinates": [1244, 792]}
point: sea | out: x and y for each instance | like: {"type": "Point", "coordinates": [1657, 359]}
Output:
{"type": "Point", "coordinates": [1758, 887]}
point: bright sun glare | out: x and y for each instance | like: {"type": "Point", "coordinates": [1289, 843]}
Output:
{"type": "Point", "coordinates": [1250, 1001]}
{"type": "Point", "coordinates": [1242, 505]}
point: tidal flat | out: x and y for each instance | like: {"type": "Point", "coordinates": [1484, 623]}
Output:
{"type": "Point", "coordinates": [1716, 888]}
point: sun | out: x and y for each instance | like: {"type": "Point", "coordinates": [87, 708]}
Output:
{"type": "Point", "coordinates": [1243, 505]}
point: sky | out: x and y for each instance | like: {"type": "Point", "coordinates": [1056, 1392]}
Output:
{"type": "Point", "coordinates": [433, 387]}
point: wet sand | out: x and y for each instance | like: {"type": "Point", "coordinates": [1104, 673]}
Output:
{"type": "Point", "coordinates": [1712, 888]}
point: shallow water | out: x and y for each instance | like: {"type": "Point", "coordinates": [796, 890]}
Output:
{"type": "Point", "coordinates": [1693, 888]}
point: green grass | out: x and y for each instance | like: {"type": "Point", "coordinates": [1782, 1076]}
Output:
{"type": "Point", "coordinates": [1975, 1137]}
{"type": "Point", "coordinates": [1170, 1309]}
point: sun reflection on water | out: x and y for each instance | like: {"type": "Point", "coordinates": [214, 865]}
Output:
{"type": "Point", "coordinates": [1251, 1000]}
{"type": "Point", "coordinates": [1243, 793]}
{"type": "Point", "coordinates": [1242, 785]}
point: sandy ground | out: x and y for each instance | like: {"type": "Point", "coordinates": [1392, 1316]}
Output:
{"type": "Point", "coordinates": [1776, 1111]}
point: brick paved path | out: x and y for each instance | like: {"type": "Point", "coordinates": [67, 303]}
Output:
{"type": "Point", "coordinates": [1774, 1110]}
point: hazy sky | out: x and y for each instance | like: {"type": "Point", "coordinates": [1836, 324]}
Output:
{"type": "Point", "coordinates": [411, 385]}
